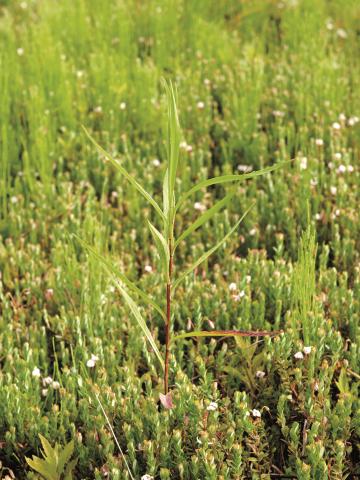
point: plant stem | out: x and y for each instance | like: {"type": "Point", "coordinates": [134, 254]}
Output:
{"type": "Point", "coordinates": [168, 320]}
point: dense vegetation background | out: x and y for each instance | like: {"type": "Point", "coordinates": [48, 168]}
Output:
{"type": "Point", "coordinates": [258, 82]}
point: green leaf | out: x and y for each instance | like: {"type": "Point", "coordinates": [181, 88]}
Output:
{"type": "Point", "coordinates": [70, 467]}
{"type": "Point", "coordinates": [173, 142]}
{"type": "Point", "coordinates": [211, 251]}
{"type": "Point", "coordinates": [227, 179]}
{"type": "Point", "coordinates": [128, 177]}
{"type": "Point", "coordinates": [65, 455]}
{"type": "Point", "coordinates": [47, 470]}
{"type": "Point", "coordinates": [162, 248]}
{"type": "Point", "coordinates": [225, 333]}
{"type": "Point", "coordinates": [205, 217]}
{"type": "Point", "coordinates": [50, 453]}
{"type": "Point", "coordinates": [136, 312]}
{"type": "Point", "coordinates": [118, 275]}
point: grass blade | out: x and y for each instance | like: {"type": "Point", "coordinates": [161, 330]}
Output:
{"type": "Point", "coordinates": [226, 333]}
{"type": "Point", "coordinates": [227, 179]}
{"type": "Point", "coordinates": [211, 251]}
{"type": "Point", "coordinates": [139, 318]}
{"type": "Point", "coordinates": [162, 247]}
{"type": "Point", "coordinates": [173, 141]}
{"type": "Point", "coordinates": [115, 438]}
{"type": "Point", "coordinates": [118, 275]}
{"type": "Point", "coordinates": [128, 177]}
{"type": "Point", "coordinates": [205, 217]}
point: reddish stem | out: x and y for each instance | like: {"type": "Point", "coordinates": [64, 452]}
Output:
{"type": "Point", "coordinates": [168, 320]}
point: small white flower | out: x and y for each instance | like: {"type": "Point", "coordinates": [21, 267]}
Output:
{"type": "Point", "coordinates": [248, 278]}
{"type": "Point", "coordinates": [212, 407]}
{"type": "Point", "coordinates": [91, 363]}
{"type": "Point", "coordinates": [189, 148]}
{"type": "Point", "coordinates": [316, 386]}
{"type": "Point", "coordinates": [200, 105]}
{"type": "Point", "coordinates": [147, 477]}
{"type": "Point", "coordinates": [341, 169]}
{"type": "Point", "coordinates": [98, 109]}
{"type": "Point", "coordinates": [341, 33]}
{"type": "Point", "coordinates": [239, 296]}
{"type": "Point", "coordinates": [353, 121]}
{"type": "Point", "coordinates": [244, 168]}
{"type": "Point", "coordinates": [14, 200]}
{"type": "Point", "coordinates": [278, 113]}
{"type": "Point", "coordinates": [148, 268]}
{"type": "Point", "coordinates": [303, 163]}
{"type": "Point", "coordinates": [350, 168]}
{"type": "Point", "coordinates": [342, 117]}
{"type": "Point", "coordinates": [20, 51]}
{"type": "Point", "coordinates": [23, 5]}
{"type": "Point", "coordinates": [199, 206]}
{"type": "Point", "coordinates": [255, 413]}
{"type": "Point", "coordinates": [319, 142]}
{"type": "Point", "coordinates": [47, 381]}
{"type": "Point", "coordinates": [36, 372]}
{"type": "Point", "coordinates": [44, 392]}
{"type": "Point", "coordinates": [336, 126]}
{"type": "Point", "coordinates": [94, 357]}
{"type": "Point", "coordinates": [122, 106]}
{"type": "Point", "coordinates": [206, 82]}
{"type": "Point", "coordinates": [337, 156]}
{"type": "Point", "coordinates": [333, 190]}
{"type": "Point", "coordinates": [80, 73]}
{"type": "Point", "coordinates": [55, 385]}
{"type": "Point", "coordinates": [317, 216]}
{"type": "Point", "coordinates": [232, 287]}
{"type": "Point", "coordinates": [299, 355]}
{"type": "Point", "coordinates": [330, 24]}
{"type": "Point", "coordinates": [307, 350]}
{"type": "Point", "coordinates": [337, 212]}
{"type": "Point", "coordinates": [183, 145]}
{"type": "Point", "coordinates": [156, 162]}
{"type": "Point", "coordinates": [260, 374]}
{"type": "Point", "coordinates": [313, 182]}
{"type": "Point", "coordinates": [253, 232]}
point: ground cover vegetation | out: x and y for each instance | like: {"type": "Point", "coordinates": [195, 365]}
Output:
{"type": "Point", "coordinates": [259, 84]}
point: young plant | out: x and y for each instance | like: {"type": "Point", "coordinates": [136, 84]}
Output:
{"type": "Point", "coordinates": [165, 241]}
{"type": "Point", "coordinates": [56, 464]}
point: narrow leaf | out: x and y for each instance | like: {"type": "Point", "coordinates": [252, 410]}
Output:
{"type": "Point", "coordinates": [228, 178]}
{"type": "Point", "coordinates": [139, 318]}
{"type": "Point", "coordinates": [162, 247]}
{"type": "Point", "coordinates": [49, 452]}
{"type": "Point", "coordinates": [118, 275]}
{"type": "Point", "coordinates": [173, 143]}
{"type": "Point", "coordinates": [226, 333]}
{"type": "Point", "coordinates": [65, 455]}
{"type": "Point", "coordinates": [205, 217]}
{"type": "Point", "coordinates": [212, 250]}
{"type": "Point", "coordinates": [128, 177]}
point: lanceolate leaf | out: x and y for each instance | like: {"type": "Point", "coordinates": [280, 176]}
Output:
{"type": "Point", "coordinates": [227, 179]}
{"type": "Point", "coordinates": [211, 251]}
{"type": "Point", "coordinates": [139, 318]}
{"type": "Point", "coordinates": [118, 275]}
{"type": "Point", "coordinates": [173, 142]}
{"type": "Point", "coordinates": [128, 177]}
{"type": "Point", "coordinates": [162, 247]}
{"type": "Point", "coordinates": [226, 333]}
{"type": "Point", "coordinates": [205, 217]}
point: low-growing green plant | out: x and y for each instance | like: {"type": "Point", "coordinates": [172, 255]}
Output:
{"type": "Point", "coordinates": [165, 241]}
{"type": "Point", "coordinates": [56, 464]}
